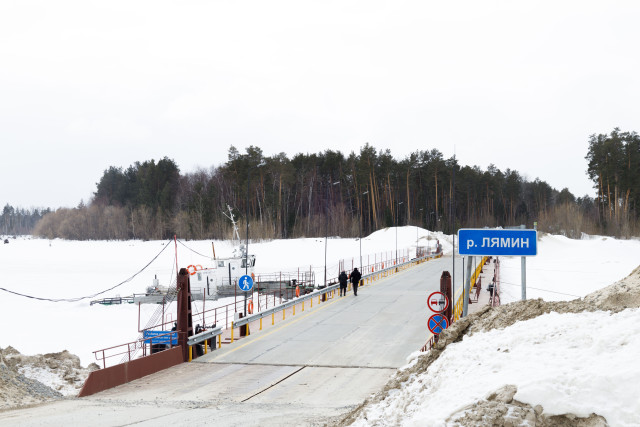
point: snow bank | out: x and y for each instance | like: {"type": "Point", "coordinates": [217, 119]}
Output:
{"type": "Point", "coordinates": [561, 359]}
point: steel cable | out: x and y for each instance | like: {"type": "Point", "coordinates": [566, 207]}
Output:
{"type": "Point", "coordinates": [88, 296]}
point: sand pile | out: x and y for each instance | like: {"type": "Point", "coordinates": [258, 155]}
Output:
{"type": "Point", "coordinates": [27, 380]}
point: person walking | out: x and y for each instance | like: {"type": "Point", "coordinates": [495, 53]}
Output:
{"type": "Point", "coordinates": [342, 278]}
{"type": "Point", "coordinates": [355, 280]}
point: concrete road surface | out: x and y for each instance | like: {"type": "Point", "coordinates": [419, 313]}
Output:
{"type": "Point", "coordinates": [310, 369]}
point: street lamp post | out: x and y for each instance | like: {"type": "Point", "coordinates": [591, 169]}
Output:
{"type": "Point", "coordinates": [397, 213]}
{"type": "Point", "coordinates": [366, 192]}
{"type": "Point", "coordinates": [326, 231]}
{"type": "Point", "coordinates": [432, 222]}
{"type": "Point", "coordinates": [417, 233]}
{"type": "Point", "coordinates": [246, 246]}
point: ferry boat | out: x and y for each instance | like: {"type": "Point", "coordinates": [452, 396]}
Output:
{"type": "Point", "coordinates": [212, 282]}
{"type": "Point", "coordinates": [218, 280]}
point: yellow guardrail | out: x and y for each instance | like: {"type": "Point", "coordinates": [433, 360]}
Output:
{"type": "Point", "coordinates": [457, 309]}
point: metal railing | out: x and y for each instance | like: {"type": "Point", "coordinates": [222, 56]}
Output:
{"type": "Point", "coordinates": [204, 337]}
{"type": "Point", "coordinates": [457, 311]}
{"type": "Point", "coordinates": [130, 352]}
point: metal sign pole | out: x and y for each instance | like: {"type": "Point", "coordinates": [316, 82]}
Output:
{"type": "Point", "coordinates": [452, 216]}
{"type": "Point", "coordinates": [467, 289]}
{"type": "Point", "coordinates": [523, 274]}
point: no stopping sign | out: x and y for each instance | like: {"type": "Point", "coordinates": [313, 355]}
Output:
{"type": "Point", "coordinates": [438, 323]}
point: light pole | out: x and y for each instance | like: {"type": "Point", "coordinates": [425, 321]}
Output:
{"type": "Point", "coordinates": [417, 233]}
{"type": "Point", "coordinates": [366, 192]}
{"type": "Point", "coordinates": [326, 230]}
{"type": "Point", "coordinates": [397, 213]}
{"type": "Point", "coordinates": [432, 222]}
{"type": "Point", "coordinates": [246, 246]}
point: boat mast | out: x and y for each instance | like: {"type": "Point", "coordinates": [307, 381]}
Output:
{"type": "Point", "coordinates": [236, 235]}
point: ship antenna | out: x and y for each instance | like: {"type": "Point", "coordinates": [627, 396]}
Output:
{"type": "Point", "coordinates": [233, 221]}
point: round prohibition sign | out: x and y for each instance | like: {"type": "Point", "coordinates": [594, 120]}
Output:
{"type": "Point", "coordinates": [438, 323]}
{"type": "Point", "coordinates": [438, 302]}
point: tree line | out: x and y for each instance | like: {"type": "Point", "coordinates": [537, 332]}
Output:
{"type": "Point", "coordinates": [614, 168]}
{"type": "Point", "coordinates": [345, 195]}
{"type": "Point", "coordinates": [19, 221]}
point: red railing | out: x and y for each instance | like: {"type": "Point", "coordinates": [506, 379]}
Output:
{"type": "Point", "coordinates": [131, 349]}
{"type": "Point", "coordinates": [429, 345]}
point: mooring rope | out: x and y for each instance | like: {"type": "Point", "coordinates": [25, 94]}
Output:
{"type": "Point", "coordinates": [87, 296]}
{"type": "Point", "coordinates": [192, 250]}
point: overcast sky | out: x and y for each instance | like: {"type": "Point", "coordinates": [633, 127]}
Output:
{"type": "Point", "coordinates": [85, 85]}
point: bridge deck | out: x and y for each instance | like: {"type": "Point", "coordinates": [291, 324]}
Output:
{"type": "Point", "coordinates": [307, 370]}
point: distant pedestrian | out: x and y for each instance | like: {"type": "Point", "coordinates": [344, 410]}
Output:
{"type": "Point", "coordinates": [343, 279]}
{"type": "Point", "coordinates": [355, 280]}
{"type": "Point", "coordinates": [491, 286]}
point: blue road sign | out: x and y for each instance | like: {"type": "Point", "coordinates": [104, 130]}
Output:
{"type": "Point", "coordinates": [167, 338]}
{"type": "Point", "coordinates": [245, 283]}
{"type": "Point", "coordinates": [438, 323]}
{"type": "Point", "coordinates": [492, 242]}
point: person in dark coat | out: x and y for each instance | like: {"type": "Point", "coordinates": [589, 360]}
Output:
{"type": "Point", "coordinates": [343, 279]}
{"type": "Point", "coordinates": [355, 280]}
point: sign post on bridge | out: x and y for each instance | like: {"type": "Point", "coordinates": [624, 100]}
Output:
{"type": "Point", "coordinates": [438, 303]}
{"type": "Point", "coordinates": [245, 283]}
{"type": "Point", "coordinates": [500, 242]}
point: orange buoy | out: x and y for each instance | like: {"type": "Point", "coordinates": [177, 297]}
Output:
{"type": "Point", "coordinates": [192, 272]}
{"type": "Point", "coordinates": [250, 307]}
{"type": "Point", "coordinates": [297, 291]}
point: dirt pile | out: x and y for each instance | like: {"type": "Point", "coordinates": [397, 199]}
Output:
{"type": "Point", "coordinates": [26, 380]}
{"type": "Point", "coordinates": [499, 408]}
{"type": "Point", "coordinates": [18, 390]}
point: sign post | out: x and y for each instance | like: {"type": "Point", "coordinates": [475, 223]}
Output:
{"type": "Point", "coordinates": [245, 283]}
{"type": "Point", "coordinates": [438, 303]}
{"type": "Point", "coordinates": [497, 242]}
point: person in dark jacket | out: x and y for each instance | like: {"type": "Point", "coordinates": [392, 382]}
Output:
{"type": "Point", "coordinates": [355, 280]}
{"type": "Point", "coordinates": [343, 279]}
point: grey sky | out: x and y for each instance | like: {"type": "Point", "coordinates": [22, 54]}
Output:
{"type": "Point", "coordinates": [86, 85]}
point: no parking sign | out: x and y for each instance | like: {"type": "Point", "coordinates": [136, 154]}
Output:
{"type": "Point", "coordinates": [438, 323]}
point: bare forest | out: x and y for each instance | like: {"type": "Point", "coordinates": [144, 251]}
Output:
{"type": "Point", "coordinates": [331, 193]}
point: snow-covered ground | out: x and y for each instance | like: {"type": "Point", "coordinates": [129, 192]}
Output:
{"type": "Point", "coordinates": [568, 363]}
{"type": "Point", "coordinates": [565, 269]}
